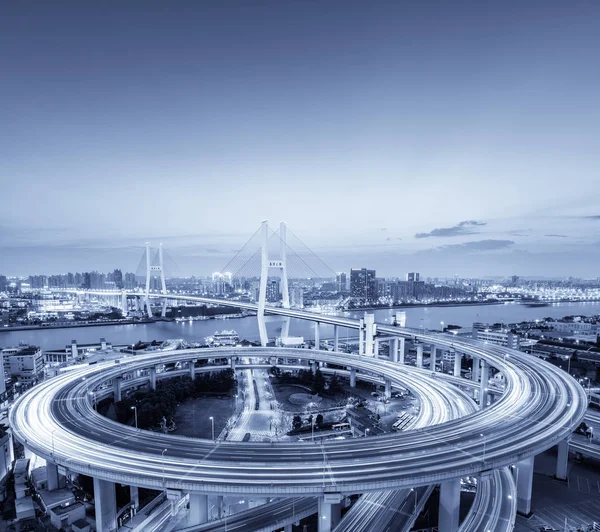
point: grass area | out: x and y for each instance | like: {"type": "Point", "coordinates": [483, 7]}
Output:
{"type": "Point", "coordinates": [193, 416]}
{"type": "Point", "coordinates": [283, 392]}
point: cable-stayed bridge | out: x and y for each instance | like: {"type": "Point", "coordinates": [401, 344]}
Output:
{"type": "Point", "coordinates": [271, 259]}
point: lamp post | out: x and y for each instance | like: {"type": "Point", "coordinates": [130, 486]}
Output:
{"type": "Point", "coordinates": [415, 491]}
{"type": "Point", "coordinates": [134, 408]}
{"type": "Point", "coordinates": [212, 424]}
{"type": "Point", "coordinates": [162, 457]}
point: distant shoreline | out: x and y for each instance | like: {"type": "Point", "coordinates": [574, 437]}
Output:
{"type": "Point", "coordinates": [439, 304]}
{"type": "Point", "coordinates": [77, 325]}
{"type": "Point", "coordinates": [541, 304]}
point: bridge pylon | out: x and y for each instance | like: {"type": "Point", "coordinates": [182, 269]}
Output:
{"type": "Point", "coordinates": [267, 265]}
{"type": "Point", "coordinates": [155, 270]}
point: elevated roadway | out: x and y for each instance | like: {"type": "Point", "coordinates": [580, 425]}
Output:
{"type": "Point", "coordinates": [540, 407]}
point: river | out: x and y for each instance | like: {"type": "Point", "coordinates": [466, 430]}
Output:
{"type": "Point", "coordinates": [427, 317]}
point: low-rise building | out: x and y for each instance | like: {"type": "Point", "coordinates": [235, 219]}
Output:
{"type": "Point", "coordinates": [573, 327]}
{"type": "Point", "coordinates": [24, 508]}
{"type": "Point", "coordinates": [21, 477]}
{"type": "Point", "coordinates": [26, 363]}
{"type": "Point", "coordinates": [500, 336]}
{"type": "Point", "coordinates": [64, 516]}
{"type": "Point", "coordinates": [6, 459]}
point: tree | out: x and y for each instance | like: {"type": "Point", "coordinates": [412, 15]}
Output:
{"type": "Point", "coordinates": [319, 420]}
{"type": "Point", "coordinates": [318, 383]}
{"type": "Point", "coordinates": [335, 384]}
{"type": "Point", "coordinates": [297, 422]}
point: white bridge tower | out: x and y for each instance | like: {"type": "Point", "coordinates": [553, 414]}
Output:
{"type": "Point", "coordinates": [156, 270]}
{"type": "Point", "coordinates": [267, 265]}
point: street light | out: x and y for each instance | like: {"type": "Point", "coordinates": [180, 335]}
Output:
{"type": "Point", "coordinates": [212, 424]}
{"type": "Point", "coordinates": [162, 455]}
{"type": "Point", "coordinates": [134, 408]}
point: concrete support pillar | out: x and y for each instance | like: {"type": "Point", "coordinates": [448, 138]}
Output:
{"type": "Point", "coordinates": [106, 505]}
{"type": "Point", "coordinates": [192, 366]}
{"type": "Point", "coordinates": [134, 497]}
{"type": "Point", "coordinates": [393, 349]}
{"type": "Point", "coordinates": [524, 485]}
{"type": "Point", "coordinates": [475, 371]}
{"type": "Point", "coordinates": [562, 460]}
{"type": "Point", "coordinates": [449, 506]}
{"type": "Point", "coordinates": [317, 336]}
{"type": "Point", "coordinates": [336, 338]}
{"type": "Point", "coordinates": [483, 390]}
{"type": "Point", "coordinates": [198, 509]}
{"type": "Point", "coordinates": [220, 506]}
{"type": "Point", "coordinates": [117, 382]}
{"type": "Point", "coordinates": [457, 363]}
{"type": "Point", "coordinates": [475, 374]}
{"type": "Point", "coordinates": [313, 366]}
{"type": "Point", "coordinates": [402, 350]}
{"type": "Point", "coordinates": [124, 303]}
{"type": "Point", "coordinates": [420, 356]}
{"type": "Point", "coordinates": [353, 378]}
{"type": "Point", "coordinates": [153, 378]}
{"type": "Point", "coordinates": [232, 362]}
{"type": "Point", "coordinates": [369, 334]}
{"type": "Point", "coordinates": [361, 338]}
{"type": "Point", "coordinates": [376, 347]}
{"type": "Point", "coordinates": [287, 528]}
{"type": "Point", "coordinates": [52, 475]}
{"type": "Point", "coordinates": [432, 358]}
{"type": "Point", "coordinates": [330, 509]}
{"type": "Point", "coordinates": [388, 389]}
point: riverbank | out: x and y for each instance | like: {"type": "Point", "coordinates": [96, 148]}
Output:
{"type": "Point", "coordinates": [78, 324]}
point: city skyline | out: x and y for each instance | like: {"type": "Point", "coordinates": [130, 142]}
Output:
{"type": "Point", "coordinates": [460, 139]}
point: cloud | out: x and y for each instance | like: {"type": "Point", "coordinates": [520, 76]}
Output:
{"type": "Point", "coordinates": [475, 246]}
{"type": "Point", "coordinates": [519, 232]}
{"type": "Point", "coordinates": [557, 236]}
{"type": "Point", "coordinates": [463, 228]}
{"type": "Point", "coordinates": [593, 217]}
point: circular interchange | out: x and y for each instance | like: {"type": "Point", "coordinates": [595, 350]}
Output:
{"type": "Point", "coordinates": [539, 407]}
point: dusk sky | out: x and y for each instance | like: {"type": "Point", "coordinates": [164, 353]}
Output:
{"type": "Point", "coordinates": [440, 137]}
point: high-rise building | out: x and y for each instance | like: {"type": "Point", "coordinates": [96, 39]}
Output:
{"type": "Point", "coordinates": [273, 292]}
{"type": "Point", "coordinates": [117, 278]}
{"type": "Point", "coordinates": [3, 283]}
{"type": "Point", "coordinates": [363, 284]}
{"type": "Point", "coordinates": [412, 276]}
{"type": "Point", "coordinates": [130, 282]}
{"type": "Point", "coordinates": [341, 281]}
{"type": "Point", "coordinates": [297, 297]}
